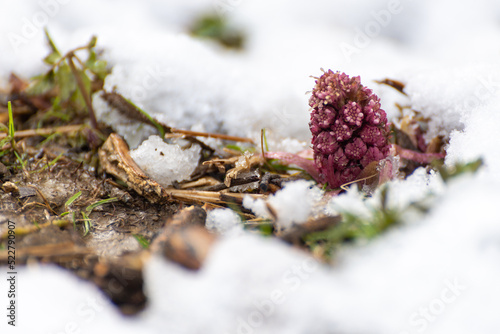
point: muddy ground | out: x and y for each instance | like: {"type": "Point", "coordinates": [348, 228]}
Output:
{"type": "Point", "coordinates": [34, 199]}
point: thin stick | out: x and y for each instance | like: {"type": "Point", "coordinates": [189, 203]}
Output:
{"type": "Point", "coordinates": [59, 249]}
{"type": "Point", "coordinates": [32, 228]}
{"type": "Point", "coordinates": [47, 204]}
{"type": "Point", "coordinates": [344, 186]}
{"type": "Point", "coordinates": [212, 135]}
{"type": "Point", "coordinates": [81, 86]}
{"type": "Point", "coordinates": [44, 131]}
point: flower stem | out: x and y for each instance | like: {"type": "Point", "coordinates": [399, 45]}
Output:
{"type": "Point", "coordinates": [290, 158]}
{"type": "Point", "coordinates": [423, 158]}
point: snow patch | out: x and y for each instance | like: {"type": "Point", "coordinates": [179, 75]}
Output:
{"type": "Point", "coordinates": [224, 221]}
{"type": "Point", "coordinates": [166, 163]}
{"type": "Point", "coordinates": [451, 95]}
{"type": "Point", "coordinates": [293, 204]}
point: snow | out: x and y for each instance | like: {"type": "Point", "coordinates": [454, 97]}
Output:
{"type": "Point", "coordinates": [223, 221]}
{"type": "Point", "coordinates": [284, 203]}
{"type": "Point", "coordinates": [436, 273]}
{"type": "Point", "coordinates": [52, 300]}
{"type": "Point", "coordinates": [419, 187]}
{"type": "Point", "coordinates": [448, 105]}
{"type": "Point", "coordinates": [255, 285]}
{"type": "Point", "coordinates": [133, 132]}
{"type": "Point", "coordinates": [166, 163]}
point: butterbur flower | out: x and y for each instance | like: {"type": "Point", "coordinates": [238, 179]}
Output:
{"type": "Point", "coordinates": [349, 133]}
{"type": "Point", "coordinates": [349, 128]}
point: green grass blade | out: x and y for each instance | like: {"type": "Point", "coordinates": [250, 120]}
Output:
{"type": "Point", "coordinates": [12, 131]}
{"type": "Point", "coordinates": [142, 241]}
{"type": "Point", "coordinates": [157, 125]}
{"type": "Point", "coordinates": [266, 146]}
{"type": "Point", "coordinates": [87, 224]}
{"type": "Point", "coordinates": [23, 165]}
{"type": "Point", "coordinates": [72, 199]}
{"type": "Point", "coordinates": [52, 45]}
{"type": "Point", "coordinates": [92, 206]}
{"type": "Point", "coordinates": [53, 162]}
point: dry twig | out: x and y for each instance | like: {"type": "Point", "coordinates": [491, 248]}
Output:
{"type": "Point", "coordinates": [115, 159]}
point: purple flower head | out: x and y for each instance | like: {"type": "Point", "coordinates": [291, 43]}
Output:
{"type": "Point", "coordinates": [341, 131]}
{"type": "Point", "coordinates": [349, 128]}
{"type": "Point", "coordinates": [322, 119]}
{"type": "Point", "coordinates": [325, 143]}
{"type": "Point", "coordinates": [352, 114]}
{"type": "Point", "coordinates": [339, 160]}
{"type": "Point", "coordinates": [373, 135]}
{"type": "Point", "coordinates": [356, 149]}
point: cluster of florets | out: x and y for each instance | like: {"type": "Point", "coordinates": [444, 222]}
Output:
{"type": "Point", "coordinates": [349, 129]}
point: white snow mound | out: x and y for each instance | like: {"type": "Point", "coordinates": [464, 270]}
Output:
{"type": "Point", "coordinates": [166, 163]}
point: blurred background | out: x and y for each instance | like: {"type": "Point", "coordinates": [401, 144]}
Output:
{"type": "Point", "coordinates": [237, 65]}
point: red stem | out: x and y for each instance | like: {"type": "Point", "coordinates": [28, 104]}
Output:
{"type": "Point", "coordinates": [423, 158]}
{"type": "Point", "coordinates": [290, 158]}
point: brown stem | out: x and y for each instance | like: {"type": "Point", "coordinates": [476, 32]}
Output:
{"type": "Point", "coordinates": [211, 135]}
{"type": "Point", "coordinates": [85, 94]}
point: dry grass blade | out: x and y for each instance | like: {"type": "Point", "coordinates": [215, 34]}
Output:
{"type": "Point", "coordinates": [83, 91]}
{"type": "Point", "coordinates": [50, 250]}
{"type": "Point", "coordinates": [243, 164]}
{"type": "Point", "coordinates": [206, 181]}
{"type": "Point", "coordinates": [212, 135]}
{"type": "Point", "coordinates": [45, 131]}
{"type": "Point", "coordinates": [32, 228]}
{"type": "Point", "coordinates": [397, 85]}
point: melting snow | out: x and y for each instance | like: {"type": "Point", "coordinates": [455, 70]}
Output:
{"type": "Point", "coordinates": [164, 162]}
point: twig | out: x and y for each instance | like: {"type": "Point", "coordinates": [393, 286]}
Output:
{"type": "Point", "coordinates": [44, 131]}
{"type": "Point", "coordinates": [234, 182]}
{"type": "Point", "coordinates": [32, 228]}
{"type": "Point", "coordinates": [115, 159]}
{"type": "Point", "coordinates": [85, 94]}
{"type": "Point", "coordinates": [59, 249]}
{"type": "Point", "coordinates": [47, 204]}
{"type": "Point", "coordinates": [344, 186]}
{"type": "Point", "coordinates": [397, 85]}
{"type": "Point", "coordinates": [212, 135]}
{"type": "Point", "coordinates": [266, 179]}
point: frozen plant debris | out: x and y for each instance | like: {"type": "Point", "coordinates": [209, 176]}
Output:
{"type": "Point", "coordinates": [349, 128]}
{"type": "Point", "coordinates": [166, 163]}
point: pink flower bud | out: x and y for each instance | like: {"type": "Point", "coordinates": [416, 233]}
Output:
{"type": "Point", "coordinates": [349, 128]}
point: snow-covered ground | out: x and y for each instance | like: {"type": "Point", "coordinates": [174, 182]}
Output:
{"type": "Point", "coordinates": [437, 273]}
